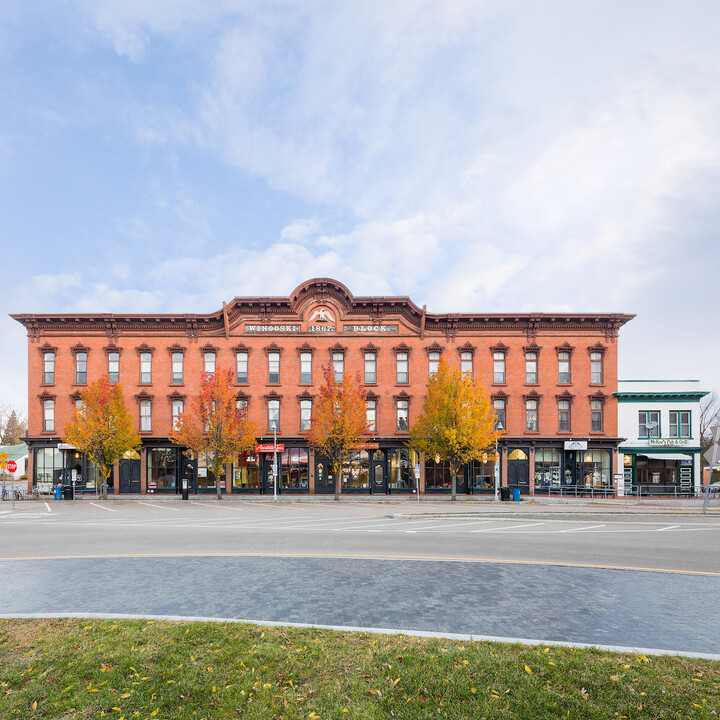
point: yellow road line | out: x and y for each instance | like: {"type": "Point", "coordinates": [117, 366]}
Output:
{"type": "Point", "coordinates": [349, 556]}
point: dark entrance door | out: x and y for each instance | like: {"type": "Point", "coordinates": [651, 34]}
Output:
{"type": "Point", "coordinates": [519, 470]}
{"type": "Point", "coordinates": [324, 481]}
{"type": "Point", "coordinates": [129, 476]}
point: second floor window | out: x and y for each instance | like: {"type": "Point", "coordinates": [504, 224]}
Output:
{"type": "Point", "coordinates": [210, 363]}
{"type": "Point", "coordinates": [563, 415]}
{"type": "Point", "coordinates": [401, 362]}
{"type": "Point", "coordinates": [403, 415]}
{"type": "Point", "coordinates": [146, 367]}
{"type": "Point", "coordinates": [114, 367]}
{"type": "Point", "coordinates": [305, 414]}
{"type": "Point", "coordinates": [596, 368]}
{"type": "Point", "coordinates": [466, 363]}
{"type": "Point", "coordinates": [177, 368]}
{"type": "Point", "coordinates": [274, 367]}
{"type": "Point", "coordinates": [305, 367]}
{"type": "Point", "coordinates": [679, 423]}
{"type": "Point", "coordinates": [531, 368]}
{"type": "Point", "coordinates": [81, 368]}
{"type": "Point", "coordinates": [49, 368]}
{"type": "Point", "coordinates": [242, 367]}
{"type": "Point", "coordinates": [145, 416]}
{"type": "Point", "coordinates": [433, 363]}
{"type": "Point", "coordinates": [177, 410]}
{"type": "Point", "coordinates": [531, 415]}
{"type": "Point", "coordinates": [274, 414]}
{"type": "Point", "coordinates": [49, 415]}
{"type": "Point", "coordinates": [371, 415]}
{"type": "Point", "coordinates": [499, 367]}
{"type": "Point", "coordinates": [338, 359]}
{"type": "Point", "coordinates": [648, 424]}
{"type": "Point", "coordinates": [499, 406]}
{"type": "Point", "coordinates": [370, 368]}
{"type": "Point", "coordinates": [564, 367]}
{"type": "Point", "coordinates": [596, 416]}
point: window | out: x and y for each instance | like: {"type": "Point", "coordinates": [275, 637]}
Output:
{"type": "Point", "coordinates": [242, 406]}
{"type": "Point", "coordinates": [48, 415]}
{"type": "Point", "coordinates": [433, 363]}
{"type": "Point", "coordinates": [305, 414]}
{"type": "Point", "coordinates": [402, 415]}
{"type": "Point", "coordinates": [81, 368]}
{"type": "Point", "coordinates": [370, 368]}
{"type": "Point", "coordinates": [466, 363]}
{"type": "Point", "coordinates": [679, 423]}
{"type": "Point", "coordinates": [146, 367]}
{"type": "Point", "coordinates": [499, 367]}
{"type": "Point", "coordinates": [596, 368]}
{"type": "Point", "coordinates": [547, 468]}
{"type": "Point", "coordinates": [273, 367]}
{"type": "Point", "coordinates": [371, 415]}
{"type": "Point", "coordinates": [79, 404]}
{"type": "Point", "coordinates": [499, 406]}
{"type": "Point", "coordinates": [531, 415]}
{"type": "Point", "coordinates": [274, 414]}
{"type": "Point", "coordinates": [564, 367]}
{"type": "Point", "coordinates": [177, 367]}
{"type": "Point", "coordinates": [648, 424]}
{"type": "Point", "coordinates": [114, 366]}
{"type": "Point", "coordinates": [49, 368]}
{"type": "Point", "coordinates": [145, 416]}
{"type": "Point", "coordinates": [531, 373]}
{"type": "Point", "coordinates": [210, 363]}
{"type": "Point", "coordinates": [242, 366]}
{"type": "Point", "coordinates": [177, 410]}
{"type": "Point", "coordinates": [596, 416]}
{"type": "Point", "coordinates": [401, 363]}
{"type": "Point", "coordinates": [161, 469]}
{"type": "Point", "coordinates": [563, 416]}
{"type": "Point", "coordinates": [305, 367]}
{"type": "Point", "coordinates": [338, 359]}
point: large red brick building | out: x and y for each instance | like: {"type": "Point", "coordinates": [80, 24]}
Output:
{"type": "Point", "coordinates": [551, 377]}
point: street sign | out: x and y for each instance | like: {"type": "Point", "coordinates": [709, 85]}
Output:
{"type": "Point", "coordinates": [3, 456]}
{"type": "Point", "coordinates": [11, 466]}
{"type": "Point", "coordinates": [712, 455]}
{"type": "Point", "coordinates": [2, 464]}
{"type": "Point", "coordinates": [280, 447]}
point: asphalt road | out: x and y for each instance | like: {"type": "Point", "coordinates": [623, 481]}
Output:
{"type": "Point", "coordinates": [606, 576]}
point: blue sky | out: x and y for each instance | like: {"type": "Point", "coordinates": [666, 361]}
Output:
{"type": "Point", "coordinates": [166, 155]}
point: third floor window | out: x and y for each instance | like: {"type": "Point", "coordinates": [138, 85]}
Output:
{"type": "Point", "coordinates": [48, 368]}
{"type": "Point", "coordinates": [81, 368]}
{"type": "Point", "coordinates": [370, 368]}
{"type": "Point", "coordinates": [146, 367]}
{"type": "Point", "coordinates": [274, 367]}
{"type": "Point", "coordinates": [114, 366]}
{"type": "Point", "coordinates": [305, 367]}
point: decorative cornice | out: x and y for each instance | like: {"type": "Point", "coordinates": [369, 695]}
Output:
{"type": "Point", "coordinates": [435, 347]}
{"type": "Point", "coordinates": [654, 397]}
{"type": "Point", "coordinates": [144, 348]}
{"type": "Point", "coordinates": [565, 396]}
{"type": "Point", "coordinates": [597, 347]}
{"type": "Point", "coordinates": [565, 347]}
{"type": "Point", "coordinates": [500, 347]}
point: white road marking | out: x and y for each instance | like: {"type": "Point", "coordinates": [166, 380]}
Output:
{"type": "Point", "coordinates": [443, 527]}
{"type": "Point", "coordinates": [506, 527]}
{"type": "Point", "coordinates": [218, 505]}
{"type": "Point", "coordinates": [162, 507]}
{"type": "Point", "coordinates": [103, 507]}
{"type": "Point", "coordinates": [48, 507]}
{"type": "Point", "coordinates": [670, 527]}
{"type": "Point", "coordinates": [587, 527]}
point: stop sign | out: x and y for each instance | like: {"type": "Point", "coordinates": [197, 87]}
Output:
{"type": "Point", "coordinates": [11, 466]}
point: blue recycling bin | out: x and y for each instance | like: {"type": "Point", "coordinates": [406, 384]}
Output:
{"type": "Point", "coordinates": [516, 494]}
{"type": "Point", "coordinates": [58, 492]}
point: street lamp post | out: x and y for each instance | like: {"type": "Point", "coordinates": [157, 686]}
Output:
{"type": "Point", "coordinates": [275, 463]}
{"type": "Point", "coordinates": [499, 427]}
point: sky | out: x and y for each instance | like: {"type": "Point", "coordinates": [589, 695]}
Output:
{"type": "Point", "coordinates": [479, 155]}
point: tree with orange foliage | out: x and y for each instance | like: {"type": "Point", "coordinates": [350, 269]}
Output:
{"type": "Point", "coordinates": [338, 426]}
{"type": "Point", "coordinates": [102, 426]}
{"type": "Point", "coordinates": [215, 426]}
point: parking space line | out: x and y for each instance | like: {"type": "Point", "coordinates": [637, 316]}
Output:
{"type": "Point", "coordinates": [212, 505]}
{"type": "Point", "coordinates": [48, 507]}
{"type": "Point", "coordinates": [670, 527]}
{"type": "Point", "coordinates": [162, 507]}
{"type": "Point", "coordinates": [102, 507]}
{"type": "Point", "coordinates": [587, 527]}
{"type": "Point", "coordinates": [507, 527]}
{"type": "Point", "coordinates": [444, 527]}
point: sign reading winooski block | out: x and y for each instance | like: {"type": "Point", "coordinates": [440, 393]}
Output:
{"type": "Point", "coordinates": [324, 329]}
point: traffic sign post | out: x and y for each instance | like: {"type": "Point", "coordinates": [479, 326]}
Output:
{"type": "Point", "coordinates": [712, 456]}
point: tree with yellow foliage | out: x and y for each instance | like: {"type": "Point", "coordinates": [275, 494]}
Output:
{"type": "Point", "coordinates": [458, 421]}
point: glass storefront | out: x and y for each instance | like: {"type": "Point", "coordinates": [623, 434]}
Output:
{"type": "Point", "coordinates": [48, 466]}
{"type": "Point", "coordinates": [206, 480]}
{"type": "Point", "coordinates": [437, 475]}
{"type": "Point", "coordinates": [482, 474]}
{"type": "Point", "coordinates": [596, 469]}
{"type": "Point", "coordinates": [548, 468]}
{"type": "Point", "coordinates": [67, 468]}
{"type": "Point", "coordinates": [402, 470]}
{"type": "Point", "coordinates": [246, 473]}
{"type": "Point", "coordinates": [161, 470]}
{"type": "Point", "coordinates": [294, 470]}
{"type": "Point", "coordinates": [356, 472]}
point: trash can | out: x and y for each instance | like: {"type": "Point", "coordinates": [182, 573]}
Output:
{"type": "Point", "coordinates": [58, 492]}
{"type": "Point", "coordinates": [516, 494]}
{"type": "Point", "coordinates": [504, 493]}
{"type": "Point", "coordinates": [67, 492]}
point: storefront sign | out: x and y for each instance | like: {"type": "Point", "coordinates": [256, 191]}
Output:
{"type": "Point", "coordinates": [280, 447]}
{"type": "Point", "coordinates": [576, 444]}
{"type": "Point", "coordinates": [669, 442]}
{"type": "Point", "coordinates": [368, 446]}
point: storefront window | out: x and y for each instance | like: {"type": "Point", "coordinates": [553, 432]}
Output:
{"type": "Point", "coordinates": [48, 466]}
{"type": "Point", "coordinates": [161, 469]}
{"type": "Point", "coordinates": [482, 472]}
{"type": "Point", "coordinates": [437, 475]}
{"type": "Point", "coordinates": [295, 469]}
{"type": "Point", "coordinates": [206, 479]}
{"type": "Point", "coordinates": [246, 473]}
{"type": "Point", "coordinates": [596, 468]}
{"type": "Point", "coordinates": [402, 469]}
{"type": "Point", "coordinates": [356, 472]}
{"type": "Point", "coordinates": [547, 468]}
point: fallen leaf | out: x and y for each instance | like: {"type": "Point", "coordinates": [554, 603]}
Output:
{"type": "Point", "coordinates": [34, 705]}
{"type": "Point", "coordinates": [528, 670]}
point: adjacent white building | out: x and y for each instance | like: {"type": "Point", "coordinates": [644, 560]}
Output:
{"type": "Point", "coordinates": [660, 420]}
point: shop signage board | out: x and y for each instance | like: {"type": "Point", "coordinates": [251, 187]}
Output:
{"type": "Point", "coordinates": [280, 447]}
{"type": "Point", "coordinates": [576, 444]}
{"type": "Point", "coordinates": [668, 442]}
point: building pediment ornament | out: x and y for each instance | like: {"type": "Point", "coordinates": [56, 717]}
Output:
{"type": "Point", "coordinates": [272, 395]}
{"type": "Point", "coordinates": [143, 395]}
{"type": "Point", "coordinates": [501, 347]}
{"type": "Point", "coordinates": [565, 396]}
{"type": "Point", "coordinates": [305, 396]}
{"type": "Point", "coordinates": [467, 347]}
{"type": "Point", "coordinates": [597, 348]}
{"type": "Point", "coordinates": [533, 347]}
{"type": "Point", "coordinates": [208, 347]}
{"type": "Point", "coordinates": [112, 348]}
{"type": "Point", "coordinates": [176, 348]}
{"type": "Point", "coordinates": [402, 347]}
{"type": "Point", "coordinates": [435, 347]}
{"type": "Point", "coordinates": [599, 395]}
{"type": "Point", "coordinates": [565, 347]}
{"type": "Point", "coordinates": [305, 347]}
{"type": "Point", "coordinates": [144, 348]}
{"type": "Point", "coordinates": [532, 395]}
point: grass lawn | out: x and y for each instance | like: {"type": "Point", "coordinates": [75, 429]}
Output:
{"type": "Point", "coordinates": [144, 669]}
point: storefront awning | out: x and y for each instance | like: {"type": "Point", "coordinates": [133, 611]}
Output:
{"type": "Point", "coordinates": [666, 456]}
